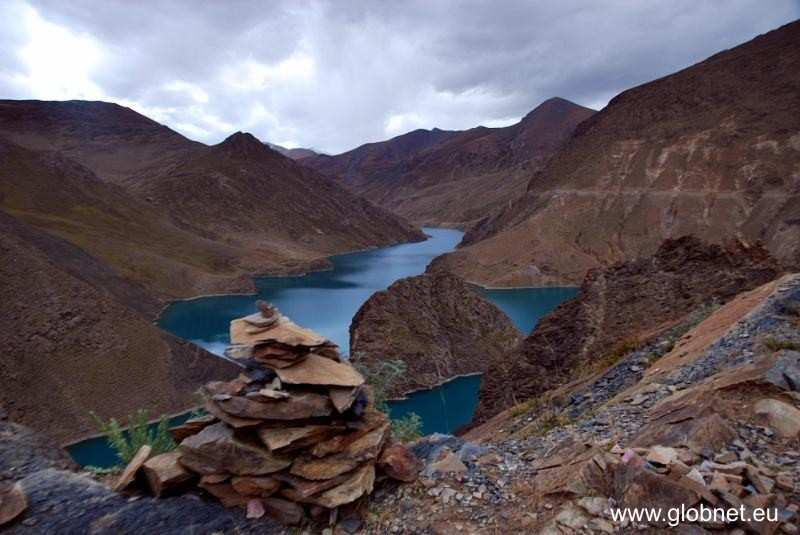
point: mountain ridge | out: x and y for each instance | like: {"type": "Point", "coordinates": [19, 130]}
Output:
{"type": "Point", "coordinates": [709, 150]}
{"type": "Point", "coordinates": [454, 178]}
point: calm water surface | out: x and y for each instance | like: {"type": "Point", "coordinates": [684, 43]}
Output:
{"type": "Point", "coordinates": [326, 301]}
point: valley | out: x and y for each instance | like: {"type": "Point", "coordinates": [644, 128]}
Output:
{"type": "Point", "coordinates": [527, 327]}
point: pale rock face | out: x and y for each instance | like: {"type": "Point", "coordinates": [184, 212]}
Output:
{"type": "Point", "coordinates": [784, 418]}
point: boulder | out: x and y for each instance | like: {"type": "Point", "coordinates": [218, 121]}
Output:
{"type": "Point", "coordinates": [317, 370]}
{"type": "Point", "coordinates": [781, 416]}
{"type": "Point", "coordinates": [398, 462]}
{"type": "Point", "coordinates": [13, 503]}
{"type": "Point", "coordinates": [128, 475]}
{"type": "Point", "coordinates": [216, 449]}
{"type": "Point", "coordinates": [785, 372]}
{"type": "Point", "coordinates": [343, 397]}
{"type": "Point", "coordinates": [165, 473]}
{"type": "Point", "coordinates": [305, 488]}
{"type": "Point", "coordinates": [446, 463]}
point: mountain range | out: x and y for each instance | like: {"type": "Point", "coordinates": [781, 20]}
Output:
{"type": "Point", "coordinates": [107, 214]}
{"type": "Point", "coordinates": [711, 151]}
{"type": "Point", "coordinates": [454, 178]}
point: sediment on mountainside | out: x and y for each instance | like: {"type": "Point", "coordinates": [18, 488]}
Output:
{"type": "Point", "coordinates": [439, 326]}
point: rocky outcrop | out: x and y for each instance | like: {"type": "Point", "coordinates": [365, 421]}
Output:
{"type": "Point", "coordinates": [708, 151]}
{"type": "Point", "coordinates": [454, 178]}
{"type": "Point", "coordinates": [294, 437]}
{"type": "Point", "coordinates": [712, 423]}
{"type": "Point", "coordinates": [436, 324]}
{"type": "Point", "coordinates": [617, 308]}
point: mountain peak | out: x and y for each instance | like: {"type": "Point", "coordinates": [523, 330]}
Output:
{"type": "Point", "coordinates": [243, 144]}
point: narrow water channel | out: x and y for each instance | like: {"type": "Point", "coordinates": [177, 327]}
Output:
{"type": "Point", "coordinates": [326, 301]}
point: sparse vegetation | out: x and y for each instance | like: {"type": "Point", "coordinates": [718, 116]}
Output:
{"type": "Point", "coordinates": [773, 344]}
{"type": "Point", "coordinates": [407, 428]}
{"type": "Point", "coordinates": [126, 442]}
{"type": "Point", "coordinates": [547, 420]}
{"type": "Point", "coordinates": [525, 407]}
{"type": "Point", "coordinates": [382, 376]}
{"type": "Point", "coordinates": [616, 354]}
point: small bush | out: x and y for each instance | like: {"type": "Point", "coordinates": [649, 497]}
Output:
{"type": "Point", "coordinates": [127, 442]}
{"type": "Point", "coordinates": [408, 428]}
{"type": "Point", "coordinates": [382, 376]}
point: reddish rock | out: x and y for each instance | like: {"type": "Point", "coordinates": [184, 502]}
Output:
{"type": "Point", "coordinates": [435, 323]}
{"type": "Point", "coordinates": [13, 503]}
{"type": "Point", "coordinates": [129, 473]}
{"type": "Point", "coordinates": [216, 449]}
{"type": "Point", "coordinates": [165, 473]}
{"type": "Point", "coordinates": [398, 462]}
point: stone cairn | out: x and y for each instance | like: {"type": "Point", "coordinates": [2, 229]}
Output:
{"type": "Point", "coordinates": [294, 436]}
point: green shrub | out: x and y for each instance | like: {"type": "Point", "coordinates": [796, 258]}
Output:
{"type": "Point", "coordinates": [127, 442]}
{"type": "Point", "coordinates": [408, 428]}
{"type": "Point", "coordinates": [382, 376]}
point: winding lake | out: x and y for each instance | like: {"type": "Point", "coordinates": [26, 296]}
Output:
{"type": "Point", "coordinates": [326, 301]}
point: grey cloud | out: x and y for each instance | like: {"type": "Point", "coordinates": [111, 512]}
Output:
{"type": "Point", "coordinates": [333, 75]}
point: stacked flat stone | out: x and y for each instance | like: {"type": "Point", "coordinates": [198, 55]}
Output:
{"type": "Point", "coordinates": [295, 435]}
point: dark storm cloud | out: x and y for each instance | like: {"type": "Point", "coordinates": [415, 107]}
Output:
{"type": "Point", "coordinates": [332, 75]}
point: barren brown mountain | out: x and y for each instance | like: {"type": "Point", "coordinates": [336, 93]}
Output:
{"type": "Point", "coordinates": [617, 308]}
{"type": "Point", "coordinates": [435, 323]}
{"type": "Point", "coordinates": [105, 215]}
{"type": "Point", "coordinates": [187, 218]}
{"type": "Point", "coordinates": [713, 150]}
{"type": "Point", "coordinates": [78, 337]}
{"type": "Point", "coordinates": [455, 178]}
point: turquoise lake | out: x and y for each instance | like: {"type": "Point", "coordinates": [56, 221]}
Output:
{"type": "Point", "coordinates": [326, 301]}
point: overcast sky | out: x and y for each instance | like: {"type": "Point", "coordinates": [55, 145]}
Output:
{"type": "Point", "coordinates": [333, 75]}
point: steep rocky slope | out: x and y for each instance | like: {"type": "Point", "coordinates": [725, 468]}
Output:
{"type": "Point", "coordinates": [79, 337]}
{"type": "Point", "coordinates": [712, 423]}
{"type": "Point", "coordinates": [436, 324]}
{"type": "Point", "coordinates": [710, 150]}
{"type": "Point", "coordinates": [455, 178]}
{"type": "Point", "coordinates": [617, 309]}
